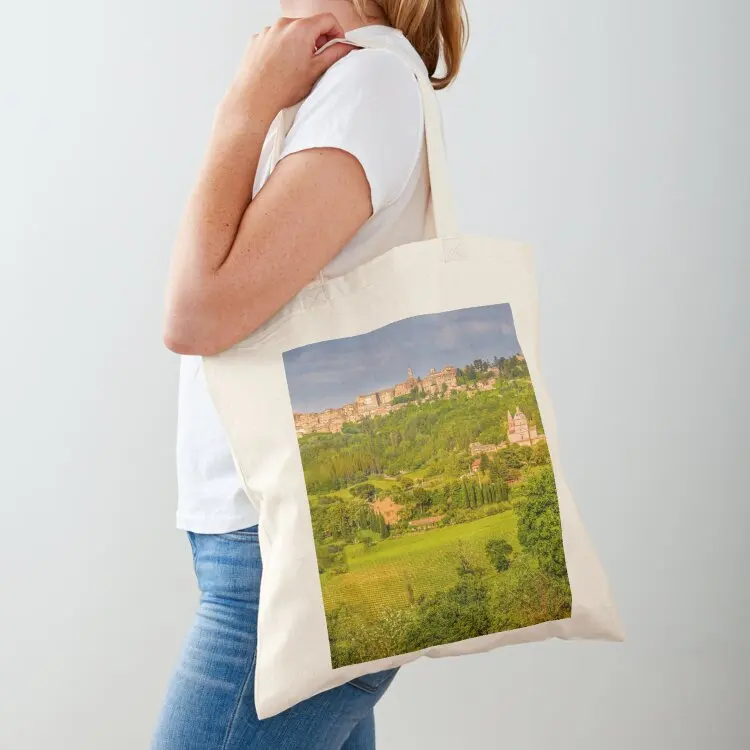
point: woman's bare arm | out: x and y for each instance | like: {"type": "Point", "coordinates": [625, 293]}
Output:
{"type": "Point", "coordinates": [236, 262]}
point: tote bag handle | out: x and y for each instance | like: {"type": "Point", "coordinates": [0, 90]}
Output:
{"type": "Point", "coordinates": [443, 209]}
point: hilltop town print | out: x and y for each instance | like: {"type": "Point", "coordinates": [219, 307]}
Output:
{"type": "Point", "coordinates": [432, 497]}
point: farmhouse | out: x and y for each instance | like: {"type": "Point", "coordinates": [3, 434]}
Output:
{"type": "Point", "coordinates": [476, 449]}
{"type": "Point", "coordinates": [422, 524]}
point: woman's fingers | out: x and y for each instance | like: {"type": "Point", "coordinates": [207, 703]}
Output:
{"type": "Point", "coordinates": [324, 28]}
{"type": "Point", "coordinates": [330, 55]}
{"type": "Point", "coordinates": [281, 65]}
{"type": "Point", "coordinates": [323, 25]}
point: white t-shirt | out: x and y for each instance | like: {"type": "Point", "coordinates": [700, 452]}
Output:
{"type": "Point", "coordinates": [367, 104]}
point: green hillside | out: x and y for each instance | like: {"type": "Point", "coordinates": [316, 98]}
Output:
{"type": "Point", "coordinates": [474, 551]}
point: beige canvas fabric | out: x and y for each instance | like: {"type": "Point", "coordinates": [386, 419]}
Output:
{"type": "Point", "coordinates": [249, 386]}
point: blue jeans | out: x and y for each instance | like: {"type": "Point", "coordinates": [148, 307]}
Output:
{"type": "Point", "coordinates": [210, 701]}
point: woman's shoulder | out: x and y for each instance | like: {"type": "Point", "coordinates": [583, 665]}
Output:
{"type": "Point", "coordinates": [377, 76]}
{"type": "Point", "coordinates": [370, 64]}
{"type": "Point", "coordinates": [368, 104]}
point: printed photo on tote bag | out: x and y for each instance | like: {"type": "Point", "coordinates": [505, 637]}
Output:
{"type": "Point", "coordinates": [433, 500]}
{"type": "Point", "coordinates": [392, 427]}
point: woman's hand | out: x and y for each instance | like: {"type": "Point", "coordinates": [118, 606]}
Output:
{"type": "Point", "coordinates": [280, 65]}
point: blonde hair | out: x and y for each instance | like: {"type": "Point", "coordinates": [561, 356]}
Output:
{"type": "Point", "coordinates": [436, 29]}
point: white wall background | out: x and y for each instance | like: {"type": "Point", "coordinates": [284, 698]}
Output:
{"type": "Point", "coordinates": [613, 135]}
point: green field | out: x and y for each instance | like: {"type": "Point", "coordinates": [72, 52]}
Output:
{"type": "Point", "coordinates": [378, 577]}
{"type": "Point", "coordinates": [383, 485]}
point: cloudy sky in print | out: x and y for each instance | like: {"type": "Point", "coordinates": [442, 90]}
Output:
{"type": "Point", "coordinates": [333, 373]}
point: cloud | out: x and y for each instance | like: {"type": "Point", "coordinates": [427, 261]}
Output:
{"type": "Point", "coordinates": [334, 372]}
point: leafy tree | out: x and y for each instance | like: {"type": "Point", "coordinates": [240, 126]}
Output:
{"type": "Point", "coordinates": [465, 564]}
{"type": "Point", "coordinates": [365, 491]}
{"type": "Point", "coordinates": [494, 433]}
{"type": "Point", "coordinates": [502, 492]}
{"type": "Point", "coordinates": [484, 462]}
{"type": "Point", "coordinates": [499, 552]}
{"type": "Point", "coordinates": [498, 471]}
{"type": "Point", "coordinates": [422, 499]}
{"type": "Point", "coordinates": [539, 529]}
{"type": "Point", "coordinates": [540, 453]}
{"type": "Point", "coordinates": [354, 641]}
{"type": "Point", "coordinates": [466, 497]}
{"type": "Point", "coordinates": [446, 617]}
{"type": "Point", "coordinates": [513, 457]}
{"type": "Point", "coordinates": [527, 596]}
{"type": "Point", "coordinates": [525, 452]}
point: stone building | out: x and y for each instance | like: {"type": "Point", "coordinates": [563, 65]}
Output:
{"type": "Point", "coordinates": [422, 524]}
{"type": "Point", "coordinates": [434, 381]}
{"type": "Point", "coordinates": [476, 449]}
{"type": "Point", "coordinates": [367, 404]}
{"type": "Point", "coordinates": [520, 432]}
{"type": "Point", "coordinates": [375, 404]}
{"type": "Point", "coordinates": [486, 385]}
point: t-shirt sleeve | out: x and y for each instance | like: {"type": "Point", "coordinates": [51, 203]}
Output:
{"type": "Point", "coordinates": [367, 104]}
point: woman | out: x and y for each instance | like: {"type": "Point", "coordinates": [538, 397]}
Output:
{"type": "Point", "coordinates": [351, 183]}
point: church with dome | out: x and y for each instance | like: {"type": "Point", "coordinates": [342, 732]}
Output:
{"type": "Point", "coordinates": [520, 432]}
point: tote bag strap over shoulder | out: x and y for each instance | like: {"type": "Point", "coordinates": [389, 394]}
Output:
{"type": "Point", "coordinates": [443, 210]}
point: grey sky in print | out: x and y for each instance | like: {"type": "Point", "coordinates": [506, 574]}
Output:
{"type": "Point", "coordinates": [432, 497]}
{"type": "Point", "coordinates": [333, 372]}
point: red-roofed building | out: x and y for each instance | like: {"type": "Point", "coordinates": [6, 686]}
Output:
{"type": "Point", "coordinates": [425, 523]}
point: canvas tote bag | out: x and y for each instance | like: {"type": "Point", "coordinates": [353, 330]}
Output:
{"type": "Point", "coordinates": [392, 427]}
